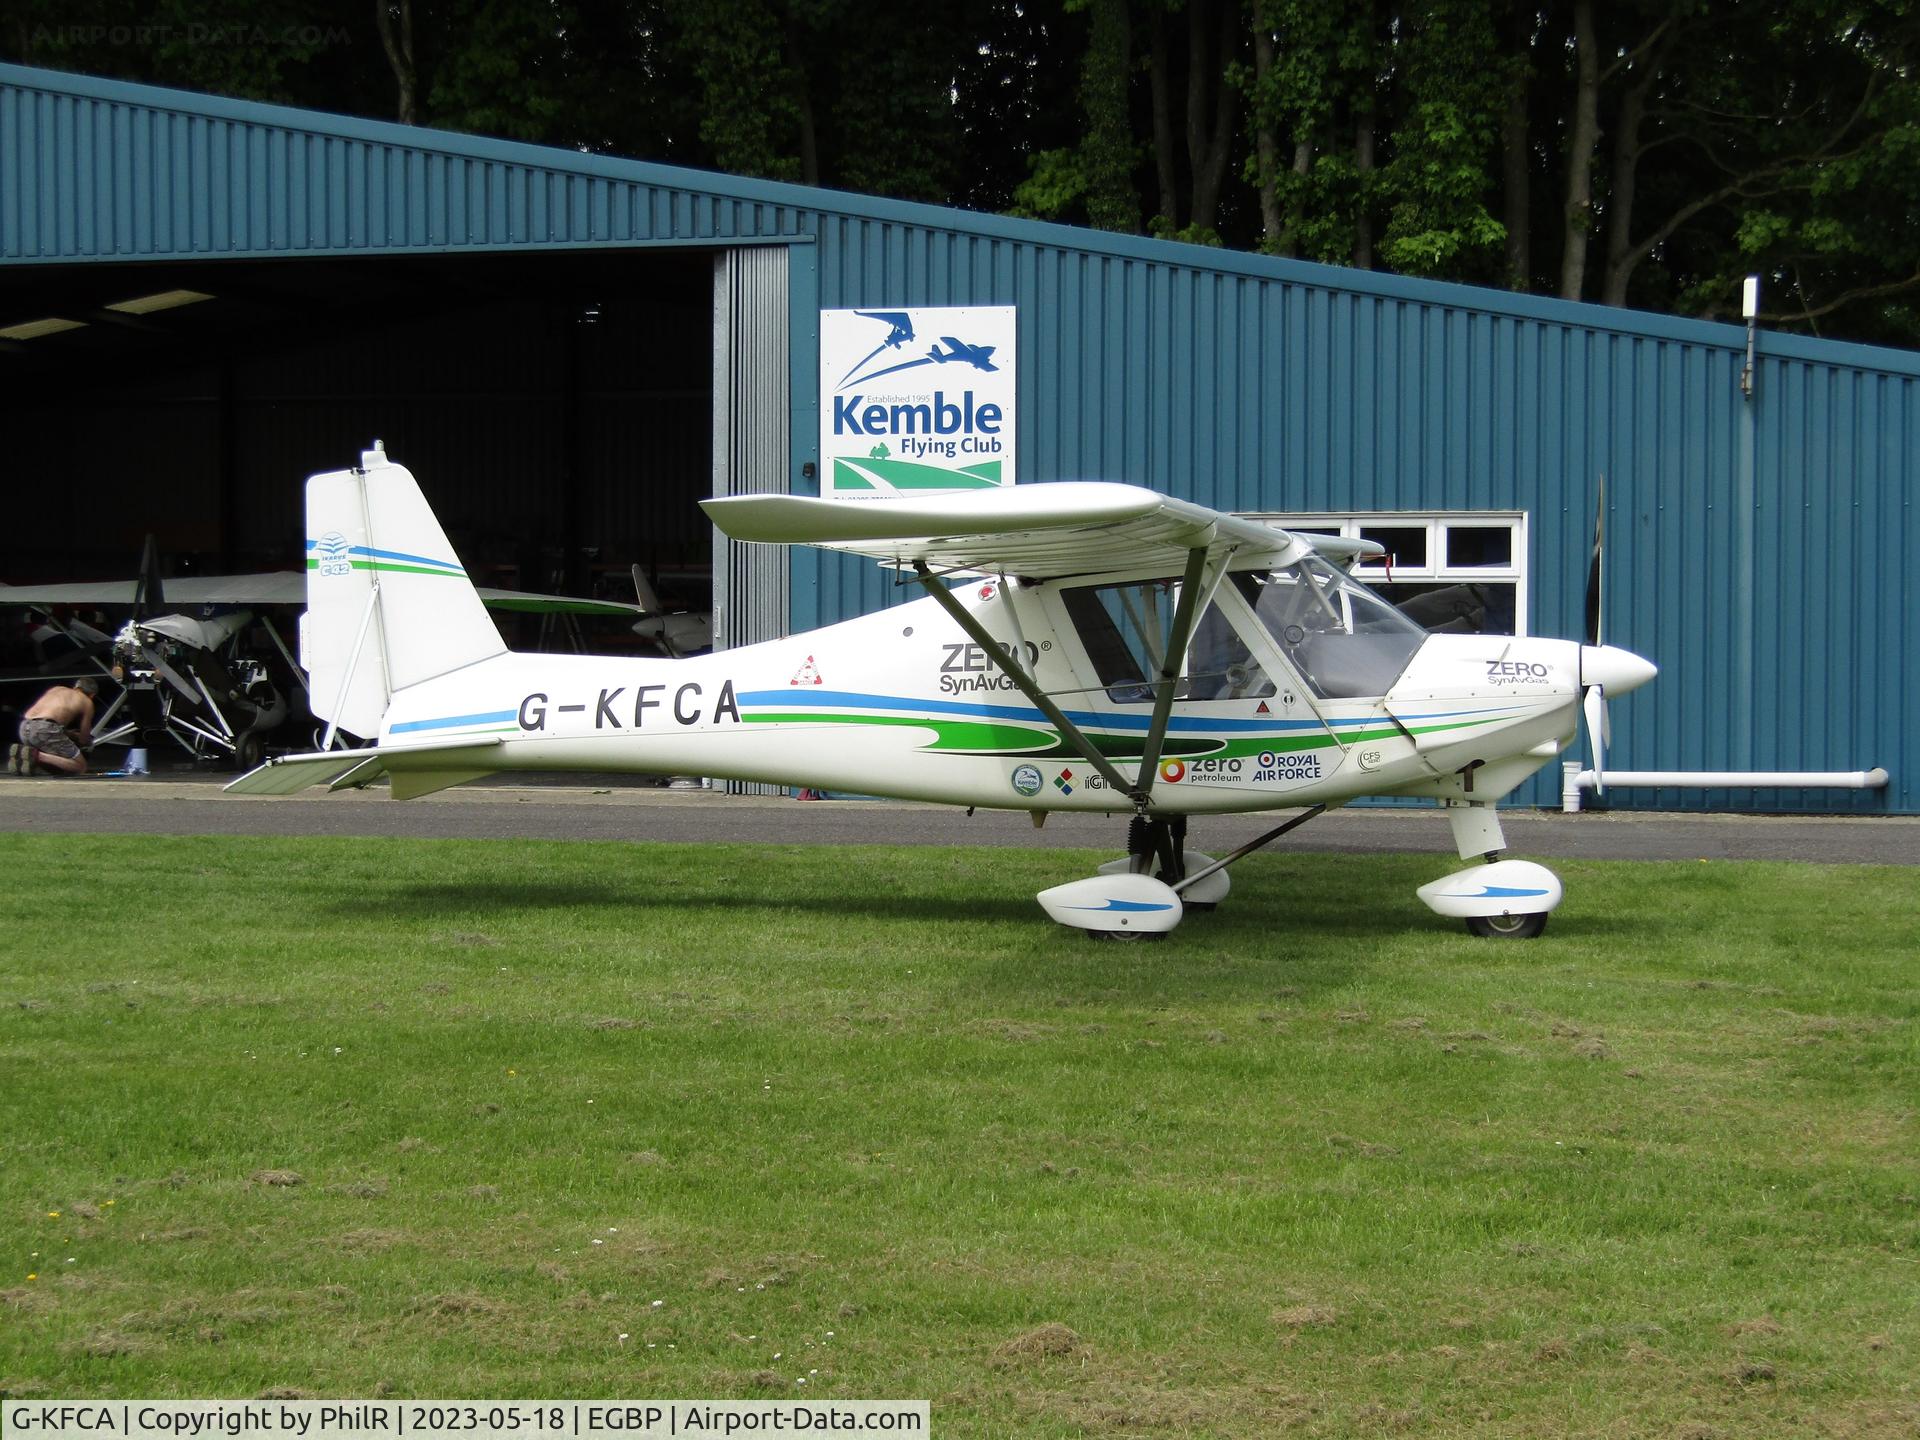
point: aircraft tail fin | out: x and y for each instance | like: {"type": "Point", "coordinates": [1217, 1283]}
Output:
{"type": "Point", "coordinates": [388, 604]}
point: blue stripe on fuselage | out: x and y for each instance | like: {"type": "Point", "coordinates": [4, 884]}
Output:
{"type": "Point", "coordinates": [1106, 720]}
{"type": "Point", "coordinates": [447, 722]}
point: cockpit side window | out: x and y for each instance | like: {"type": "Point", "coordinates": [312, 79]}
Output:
{"type": "Point", "coordinates": [1346, 642]}
{"type": "Point", "coordinates": [1124, 630]}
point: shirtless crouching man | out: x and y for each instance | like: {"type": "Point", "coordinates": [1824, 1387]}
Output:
{"type": "Point", "coordinates": [54, 729]}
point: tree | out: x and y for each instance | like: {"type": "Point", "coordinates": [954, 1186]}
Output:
{"type": "Point", "coordinates": [394, 19]}
{"type": "Point", "coordinates": [1108, 150]}
{"type": "Point", "coordinates": [1315, 96]}
{"type": "Point", "coordinates": [1439, 178]}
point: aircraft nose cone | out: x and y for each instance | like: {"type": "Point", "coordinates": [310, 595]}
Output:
{"type": "Point", "coordinates": [1615, 670]}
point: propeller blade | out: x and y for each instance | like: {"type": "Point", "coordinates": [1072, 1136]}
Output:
{"type": "Point", "coordinates": [167, 673]}
{"type": "Point", "coordinates": [1593, 706]}
{"type": "Point", "coordinates": [147, 594]}
{"type": "Point", "coordinates": [1596, 594]}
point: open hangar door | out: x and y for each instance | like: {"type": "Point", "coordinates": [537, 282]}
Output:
{"type": "Point", "coordinates": [556, 407]}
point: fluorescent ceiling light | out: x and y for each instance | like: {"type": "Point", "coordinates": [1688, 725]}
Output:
{"type": "Point", "coordinates": [165, 300]}
{"type": "Point", "coordinates": [34, 329]}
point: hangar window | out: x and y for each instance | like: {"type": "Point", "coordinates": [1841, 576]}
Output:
{"type": "Point", "coordinates": [1451, 571]}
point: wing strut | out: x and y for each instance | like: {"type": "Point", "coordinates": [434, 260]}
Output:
{"type": "Point", "coordinates": [1172, 659]}
{"type": "Point", "coordinates": [299, 675]}
{"type": "Point", "coordinates": [1026, 684]}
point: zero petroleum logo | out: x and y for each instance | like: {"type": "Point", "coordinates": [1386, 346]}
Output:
{"type": "Point", "coordinates": [1205, 770]}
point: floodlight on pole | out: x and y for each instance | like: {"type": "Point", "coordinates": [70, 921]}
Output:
{"type": "Point", "coordinates": [1750, 308]}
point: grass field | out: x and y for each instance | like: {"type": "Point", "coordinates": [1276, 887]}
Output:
{"type": "Point", "coordinates": [448, 1119]}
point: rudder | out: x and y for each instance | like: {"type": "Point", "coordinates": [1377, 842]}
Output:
{"type": "Point", "coordinates": [388, 603]}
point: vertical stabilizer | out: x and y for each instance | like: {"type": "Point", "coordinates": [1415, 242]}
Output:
{"type": "Point", "coordinates": [388, 604]}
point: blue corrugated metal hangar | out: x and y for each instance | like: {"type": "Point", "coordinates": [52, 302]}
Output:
{"type": "Point", "coordinates": [204, 300]}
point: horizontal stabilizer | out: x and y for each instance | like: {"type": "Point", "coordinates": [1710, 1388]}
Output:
{"type": "Point", "coordinates": [343, 769]}
{"type": "Point", "coordinates": [296, 772]}
{"type": "Point", "coordinates": [360, 776]}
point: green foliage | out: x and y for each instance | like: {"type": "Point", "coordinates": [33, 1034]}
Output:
{"type": "Point", "coordinates": [1055, 187]}
{"type": "Point", "coordinates": [1108, 154]}
{"type": "Point", "coordinates": [1811, 158]}
{"type": "Point", "coordinates": [750, 89]}
{"type": "Point", "coordinates": [1326, 203]}
{"type": "Point", "coordinates": [508, 74]}
{"type": "Point", "coordinates": [1162, 228]}
{"type": "Point", "coordinates": [1092, 181]}
{"type": "Point", "coordinates": [1439, 180]}
{"type": "Point", "coordinates": [1325, 64]}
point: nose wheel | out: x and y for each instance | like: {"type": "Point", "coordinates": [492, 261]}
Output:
{"type": "Point", "coordinates": [1507, 927]}
{"type": "Point", "coordinates": [1499, 900]}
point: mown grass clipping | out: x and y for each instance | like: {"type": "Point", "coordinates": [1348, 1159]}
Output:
{"type": "Point", "coordinates": [443, 1119]}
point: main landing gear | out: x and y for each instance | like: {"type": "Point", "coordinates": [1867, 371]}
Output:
{"type": "Point", "coordinates": [1146, 893]}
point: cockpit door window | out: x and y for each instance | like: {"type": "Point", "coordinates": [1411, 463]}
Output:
{"type": "Point", "coordinates": [1344, 640]}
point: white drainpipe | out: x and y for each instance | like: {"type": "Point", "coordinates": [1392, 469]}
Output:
{"type": "Point", "coordinates": [1573, 780]}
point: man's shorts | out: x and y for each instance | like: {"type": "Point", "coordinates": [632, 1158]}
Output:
{"type": "Point", "coordinates": [50, 736]}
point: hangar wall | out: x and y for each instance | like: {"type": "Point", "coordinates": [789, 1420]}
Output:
{"type": "Point", "coordinates": [1761, 550]}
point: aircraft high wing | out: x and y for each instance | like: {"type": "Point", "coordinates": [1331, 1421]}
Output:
{"type": "Point", "coordinates": [1071, 527]}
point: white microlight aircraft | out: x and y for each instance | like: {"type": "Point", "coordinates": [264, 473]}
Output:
{"type": "Point", "coordinates": [1106, 649]}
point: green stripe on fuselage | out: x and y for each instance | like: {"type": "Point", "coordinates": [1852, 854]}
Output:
{"type": "Point", "coordinates": [978, 737]}
{"type": "Point", "coordinates": [314, 564]}
{"type": "Point", "coordinates": [988, 739]}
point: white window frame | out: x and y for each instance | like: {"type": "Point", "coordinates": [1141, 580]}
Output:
{"type": "Point", "coordinates": [1436, 523]}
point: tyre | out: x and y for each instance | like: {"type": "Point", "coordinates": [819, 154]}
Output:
{"type": "Point", "coordinates": [1507, 927]}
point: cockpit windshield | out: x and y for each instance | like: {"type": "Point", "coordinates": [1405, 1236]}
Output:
{"type": "Point", "coordinates": [1345, 641]}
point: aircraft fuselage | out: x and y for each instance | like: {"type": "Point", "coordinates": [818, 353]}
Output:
{"type": "Point", "coordinates": [902, 703]}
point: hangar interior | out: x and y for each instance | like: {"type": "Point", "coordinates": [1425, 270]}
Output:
{"type": "Point", "coordinates": [556, 408]}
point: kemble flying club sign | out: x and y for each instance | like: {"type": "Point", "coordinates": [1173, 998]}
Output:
{"type": "Point", "coordinates": [913, 402]}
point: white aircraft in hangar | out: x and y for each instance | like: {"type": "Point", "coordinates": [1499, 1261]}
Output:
{"type": "Point", "coordinates": [1082, 646]}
